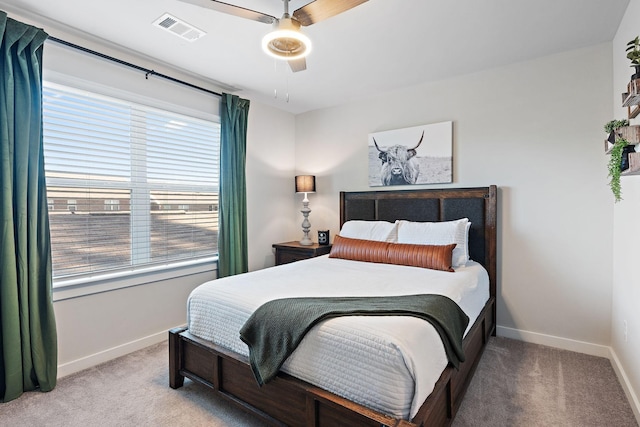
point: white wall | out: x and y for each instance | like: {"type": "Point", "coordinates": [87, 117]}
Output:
{"type": "Point", "coordinates": [534, 129]}
{"type": "Point", "coordinates": [96, 328]}
{"type": "Point", "coordinates": [626, 252]}
{"type": "Point", "coordinates": [270, 176]}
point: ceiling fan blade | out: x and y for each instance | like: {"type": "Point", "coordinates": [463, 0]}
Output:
{"type": "Point", "coordinates": [299, 64]}
{"type": "Point", "coordinates": [233, 10]}
{"type": "Point", "coordinates": [319, 10]}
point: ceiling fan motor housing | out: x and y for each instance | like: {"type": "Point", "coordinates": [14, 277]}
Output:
{"type": "Point", "coordinates": [286, 41]}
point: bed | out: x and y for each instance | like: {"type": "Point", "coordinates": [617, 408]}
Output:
{"type": "Point", "coordinates": [289, 400]}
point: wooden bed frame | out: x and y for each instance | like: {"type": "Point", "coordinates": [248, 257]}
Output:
{"type": "Point", "coordinates": [288, 401]}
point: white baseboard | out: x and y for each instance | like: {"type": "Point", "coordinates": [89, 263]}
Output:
{"type": "Point", "coordinates": [552, 341]}
{"type": "Point", "coordinates": [626, 385]}
{"type": "Point", "coordinates": [580, 347]}
{"type": "Point", "coordinates": [110, 353]}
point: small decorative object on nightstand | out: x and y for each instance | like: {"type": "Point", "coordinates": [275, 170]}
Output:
{"type": "Point", "coordinates": [293, 251]}
{"type": "Point", "coordinates": [323, 237]}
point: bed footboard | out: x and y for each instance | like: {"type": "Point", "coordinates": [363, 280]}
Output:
{"type": "Point", "coordinates": [176, 379]}
{"type": "Point", "coordinates": [285, 401]}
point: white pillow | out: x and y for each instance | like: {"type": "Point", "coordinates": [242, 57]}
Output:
{"type": "Point", "coordinates": [438, 233]}
{"type": "Point", "coordinates": [380, 231]}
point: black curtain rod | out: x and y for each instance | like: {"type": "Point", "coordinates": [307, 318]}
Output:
{"type": "Point", "coordinates": [128, 64]}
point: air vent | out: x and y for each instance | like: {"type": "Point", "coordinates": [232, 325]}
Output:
{"type": "Point", "coordinates": [180, 28]}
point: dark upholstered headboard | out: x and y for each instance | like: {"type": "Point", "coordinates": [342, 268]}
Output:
{"type": "Point", "coordinates": [477, 204]}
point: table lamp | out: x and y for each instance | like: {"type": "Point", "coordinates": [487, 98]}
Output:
{"type": "Point", "coordinates": [305, 184]}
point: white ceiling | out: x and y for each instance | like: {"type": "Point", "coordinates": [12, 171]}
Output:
{"type": "Point", "coordinates": [378, 46]}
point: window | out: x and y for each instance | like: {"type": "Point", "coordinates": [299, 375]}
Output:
{"type": "Point", "coordinates": [112, 205]}
{"type": "Point", "coordinates": [120, 167]}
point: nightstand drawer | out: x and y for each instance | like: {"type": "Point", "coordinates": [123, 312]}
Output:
{"type": "Point", "coordinates": [285, 257]}
{"type": "Point", "coordinates": [294, 251]}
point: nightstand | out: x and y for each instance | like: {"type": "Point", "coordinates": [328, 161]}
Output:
{"type": "Point", "coordinates": [293, 251]}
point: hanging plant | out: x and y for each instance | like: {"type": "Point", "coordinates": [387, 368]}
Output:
{"type": "Point", "coordinates": [614, 125]}
{"type": "Point", "coordinates": [614, 167]}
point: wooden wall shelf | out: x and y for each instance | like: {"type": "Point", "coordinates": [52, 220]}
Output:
{"type": "Point", "coordinates": [630, 133]}
{"type": "Point", "coordinates": [631, 98]}
{"type": "Point", "coordinates": [634, 165]}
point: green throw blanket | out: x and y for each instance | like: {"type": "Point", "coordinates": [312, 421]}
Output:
{"type": "Point", "coordinates": [276, 328]}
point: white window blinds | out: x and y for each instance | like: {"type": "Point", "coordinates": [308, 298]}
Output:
{"type": "Point", "coordinates": [128, 186]}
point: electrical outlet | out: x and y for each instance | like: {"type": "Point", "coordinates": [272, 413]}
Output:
{"type": "Point", "coordinates": [625, 330]}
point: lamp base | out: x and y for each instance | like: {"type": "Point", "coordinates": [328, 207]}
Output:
{"type": "Point", "coordinates": [306, 241]}
{"type": "Point", "coordinates": [306, 225]}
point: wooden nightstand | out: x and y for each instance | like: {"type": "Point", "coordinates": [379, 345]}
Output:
{"type": "Point", "coordinates": [293, 251]}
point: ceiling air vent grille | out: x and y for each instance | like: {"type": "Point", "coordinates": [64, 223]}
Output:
{"type": "Point", "coordinates": [179, 28]}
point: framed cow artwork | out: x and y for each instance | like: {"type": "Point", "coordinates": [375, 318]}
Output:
{"type": "Point", "coordinates": [412, 156]}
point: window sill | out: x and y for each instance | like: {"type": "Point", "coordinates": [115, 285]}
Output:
{"type": "Point", "coordinates": [75, 288]}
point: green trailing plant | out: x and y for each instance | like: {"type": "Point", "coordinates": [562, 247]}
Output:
{"type": "Point", "coordinates": [614, 167]}
{"type": "Point", "coordinates": [633, 51]}
{"type": "Point", "coordinates": [617, 150]}
{"type": "Point", "coordinates": [614, 125]}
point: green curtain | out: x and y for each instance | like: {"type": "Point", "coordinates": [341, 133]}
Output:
{"type": "Point", "coordinates": [233, 255]}
{"type": "Point", "coordinates": [28, 341]}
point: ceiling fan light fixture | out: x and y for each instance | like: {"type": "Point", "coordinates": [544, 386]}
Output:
{"type": "Point", "coordinates": [286, 41]}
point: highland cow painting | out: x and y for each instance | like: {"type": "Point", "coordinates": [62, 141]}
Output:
{"type": "Point", "coordinates": [411, 156]}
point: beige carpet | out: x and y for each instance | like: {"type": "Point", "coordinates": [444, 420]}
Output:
{"type": "Point", "coordinates": [130, 391]}
{"type": "Point", "coordinates": [517, 384]}
{"type": "Point", "coordinates": [521, 384]}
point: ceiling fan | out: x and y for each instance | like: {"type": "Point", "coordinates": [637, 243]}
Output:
{"type": "Point", "coordinates": [286, 41]}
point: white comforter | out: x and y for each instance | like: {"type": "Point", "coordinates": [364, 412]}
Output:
{"type": "Point", "coordinates": [389, 363]}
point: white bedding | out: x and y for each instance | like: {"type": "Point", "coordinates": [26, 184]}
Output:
{"type": "Point", "coordinates": [389, 363]}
